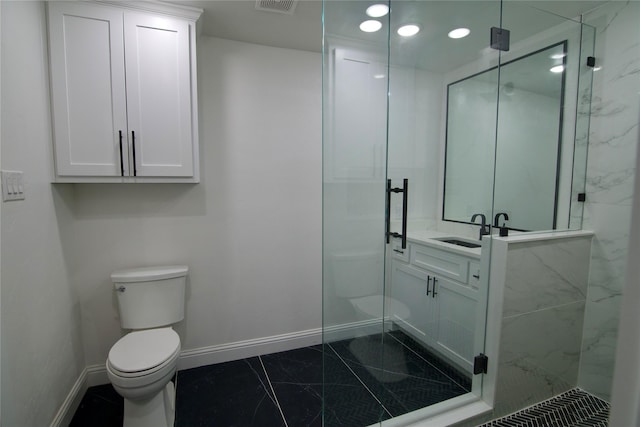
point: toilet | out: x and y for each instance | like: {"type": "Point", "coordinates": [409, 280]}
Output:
{"type": "Point", "coordinates": [142, 363]}
{"type": "Point", "coordinates": [358, 277]}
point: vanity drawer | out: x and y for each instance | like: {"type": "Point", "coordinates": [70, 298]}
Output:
{"type": "Point", "coordinates": [474, 274]}
{"type": "Point", "coordinates": [397, 251]}
{"type": "Point", "coordinates": [441, 262]}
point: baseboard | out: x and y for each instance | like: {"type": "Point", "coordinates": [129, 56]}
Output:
{"type": "Point", "coordinates": [68, 408]}
{"type": "Point", "coordinates": [249, 348]}
{"type": "Point", "coordinates": [350, 330]}
{"type": "Point", "coordinates": [94, 375]}
{"type": "Point", "coordinates": [97, 375]}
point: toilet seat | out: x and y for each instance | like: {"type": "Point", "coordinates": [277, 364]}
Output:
{"type": "Point", "coordinates": [145, 352]}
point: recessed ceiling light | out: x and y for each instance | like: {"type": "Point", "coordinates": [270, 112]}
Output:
{"type": "Point", "coordinates": [370, 26]}
{"type": "Point", "coordinates": [459, 33]}
{"type": "Point", "coordinates": [377, 10]}
{"type": "Point", "coordinates": [408, 30]}
{"type": "Point", "coordinates": [557, 69]}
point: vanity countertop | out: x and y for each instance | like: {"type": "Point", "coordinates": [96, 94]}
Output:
{"type": "Point", "coordinates": [427, 237]}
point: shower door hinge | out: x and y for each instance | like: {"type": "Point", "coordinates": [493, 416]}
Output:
{"type": "Point", "coordinates": [591, 61]}
{"type": "Point", "coordinates": [480, 363]}
{"type": "Point", "coordinates": [500, 38]}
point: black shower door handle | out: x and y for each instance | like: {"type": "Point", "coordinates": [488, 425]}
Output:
{"type": "Point", "coordinates": [405, 202]}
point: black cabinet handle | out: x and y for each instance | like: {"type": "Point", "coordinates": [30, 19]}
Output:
{"type": "Point", "coordinates": [133, 150]}
{"type": "Point", "coordinates": [121, 159]}
{"type": "Point", "coordinates": [434, 293]}
{"type": "Point", "coordinates": [398, 251]}
{"type": "Point", "coordinates": [477, 276]}
{"type": "Point", "coordinates": [428, 283]}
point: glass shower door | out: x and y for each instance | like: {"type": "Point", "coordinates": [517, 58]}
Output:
{"type": "Point", "coordinates": [399, 335]}
{"type": "Point", "coordinates": [354, 181]}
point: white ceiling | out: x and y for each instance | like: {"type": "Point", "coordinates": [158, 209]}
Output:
{"type": "Point", "coordinates": [240, 20]}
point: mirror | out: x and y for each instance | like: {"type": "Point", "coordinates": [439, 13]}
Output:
{"type": "Point", "coordinates": [523, 150]}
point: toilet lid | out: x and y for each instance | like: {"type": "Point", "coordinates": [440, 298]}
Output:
{"type": "Point", "coordinates": [143, 350]}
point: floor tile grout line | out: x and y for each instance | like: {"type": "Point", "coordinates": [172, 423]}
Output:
{"type": "Point", "coordinates": [360, 381]}
{"type": "Point", "coordinates": [434, 366]}
{"type": "Point", "coordinates": [273, 391]}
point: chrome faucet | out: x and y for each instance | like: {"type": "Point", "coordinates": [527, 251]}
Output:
{"type": "Point", "coordinates": [484, 228]}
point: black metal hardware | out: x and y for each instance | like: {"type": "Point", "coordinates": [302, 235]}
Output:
{"type": "Point", "coordinates": [500, 38]}
{"type": "Point", "coordinates": [591, 61]}
{"type": "Point", "coordinates": [582, 197]}
{"type": "Point", "coordinates": [133, 150]}
{"type": "Point", "coordinates": [121, 159]}
{"type": "Point", "coordinates": [435, 281]}
{"type": "Point", "coordinates": [428, 283]}
{"type": "Point", "coordinates": [484, 228]}
{"type": "Point", "coordinates": [405, 202]}
{"type": "Point", "coordinates": [504, 231]}
{"type": "Point", "coordinates": [480, 364]}
{"type": "Point", "coordinates": [388, 217]}
{"type": "Point", "coordinates": [398, 251]}
{"type": "Point", "coordinates": [496, 219]}
{"type": "Point", "coordinates": [477, 276]}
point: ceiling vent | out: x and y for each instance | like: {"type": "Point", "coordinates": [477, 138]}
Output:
{"type": "Point", "coordinates": [279, 6]}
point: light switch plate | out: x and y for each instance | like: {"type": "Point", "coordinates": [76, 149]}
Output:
{"type": "Point", "coordinates": [12, 186]}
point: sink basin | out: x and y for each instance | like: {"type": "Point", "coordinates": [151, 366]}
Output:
{"type": "Point", "coordinates": [459, 242]}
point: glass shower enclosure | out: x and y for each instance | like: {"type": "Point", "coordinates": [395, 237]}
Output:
{"type": "Point", "coordinates": [474, 124]}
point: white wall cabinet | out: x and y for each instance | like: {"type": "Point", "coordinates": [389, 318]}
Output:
{"type": "Point", "coordinates": [442, 300]}
{"type": "Point", "coordinates": [124, 102]}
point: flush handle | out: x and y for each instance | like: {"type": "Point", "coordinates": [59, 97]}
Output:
{"type": "Point", "coordinates": [121, 289]}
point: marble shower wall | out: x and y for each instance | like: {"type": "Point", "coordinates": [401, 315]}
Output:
{"type": "Point", "coordinates": [544, 295]}
{"type": "Point", "coordinates": [613, 141]}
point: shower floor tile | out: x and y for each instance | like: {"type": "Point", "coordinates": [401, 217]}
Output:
{"type": "Point", "coordinates": [286, 389]}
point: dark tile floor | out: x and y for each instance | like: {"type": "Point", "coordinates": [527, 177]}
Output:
{"type": "Point", "coordinates": [286, 389]}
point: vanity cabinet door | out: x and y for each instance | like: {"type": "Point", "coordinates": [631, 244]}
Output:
{"type": "Point", "coordinates": [456, 320]}
{"type": "Point", "coordinates": [409, 286]}
{"type": "Point", "coordinates": [88, 89]}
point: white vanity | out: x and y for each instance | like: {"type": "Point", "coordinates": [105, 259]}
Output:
{"type": "Point", "coordinates": [439, 283]}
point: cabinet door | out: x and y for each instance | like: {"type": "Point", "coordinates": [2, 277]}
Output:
{"type": "Point", "coordinates": [358, 90]}
{"type": "Point", "coordinates": [159, 95]}
{"type": "Point", "coordinates": [88, 89]}
{"type": "Point", "coordinates": [409, 286]}
{"type": "Point", "coordinates": [456, 320]}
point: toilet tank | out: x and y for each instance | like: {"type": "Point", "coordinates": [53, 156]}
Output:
{"type": "Point", "coordinates": [150, 297]}
{"type": "Point", "coordinates": [358, 274]}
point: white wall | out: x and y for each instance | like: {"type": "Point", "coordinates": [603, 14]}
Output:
{"type": "Point", "coordinates": [42, 354]}
{"type": "Point", "coordinates": [250, 231]}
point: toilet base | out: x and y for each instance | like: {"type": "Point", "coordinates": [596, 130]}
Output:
{"type": "Point", "coordinates": [158, 411]}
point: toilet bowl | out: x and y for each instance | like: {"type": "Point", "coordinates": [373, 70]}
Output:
{"type": "Point", "coordinates": [358, 278]}
{"type": "Point", "coordinates": [142, 363]}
